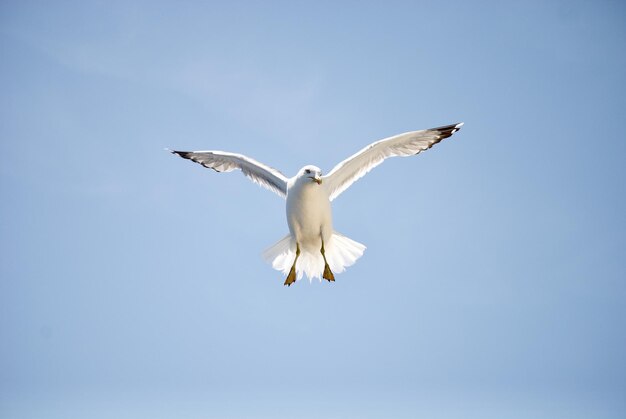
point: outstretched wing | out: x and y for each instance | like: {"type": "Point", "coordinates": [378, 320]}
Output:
{"type": "Point", "coordinates": [222, 161]}
{"type": "Point", "coordinates": [408, 144]}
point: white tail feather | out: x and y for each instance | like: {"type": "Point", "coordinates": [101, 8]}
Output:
{"type": "Point", "coordinates": [341, 252]}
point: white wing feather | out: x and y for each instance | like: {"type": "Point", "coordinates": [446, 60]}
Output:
{"type": "Point", "coordinates": [408, 144]}
{"type": "Point", "coordinates": [222, 161]}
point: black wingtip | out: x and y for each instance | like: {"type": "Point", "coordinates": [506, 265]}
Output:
{"type": "Point", "coordinates": [447, 130]}
{"type": "Point", "coordinates": [183, 154]}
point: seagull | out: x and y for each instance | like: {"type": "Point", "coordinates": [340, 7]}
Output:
{"type": "Point", "coordinates": [312, 247]}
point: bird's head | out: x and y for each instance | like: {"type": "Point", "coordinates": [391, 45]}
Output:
{"type": "Point", "coordinates": [310, 174]}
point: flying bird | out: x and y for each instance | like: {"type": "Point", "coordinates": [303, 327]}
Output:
{"type": "Point", "coordinates": [312, 247]}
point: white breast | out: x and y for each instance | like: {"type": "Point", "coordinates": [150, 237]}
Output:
{"type": "Point", "coordinates": [308, 214]}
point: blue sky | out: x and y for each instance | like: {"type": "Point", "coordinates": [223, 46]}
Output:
{"type": "Point", "coordinates": [132, 283]}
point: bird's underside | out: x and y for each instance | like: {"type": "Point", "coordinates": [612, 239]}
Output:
{"type": "Point", "coordinates": [308, 196]}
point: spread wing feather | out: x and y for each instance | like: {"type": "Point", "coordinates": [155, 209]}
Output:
{"type": "Point", "coordinates": [222, 161]}
{"type": "Point", "coordinates": [408, 144]}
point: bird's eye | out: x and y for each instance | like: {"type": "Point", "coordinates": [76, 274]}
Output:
{"type": "Point", "coordinates": [308, 171]}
